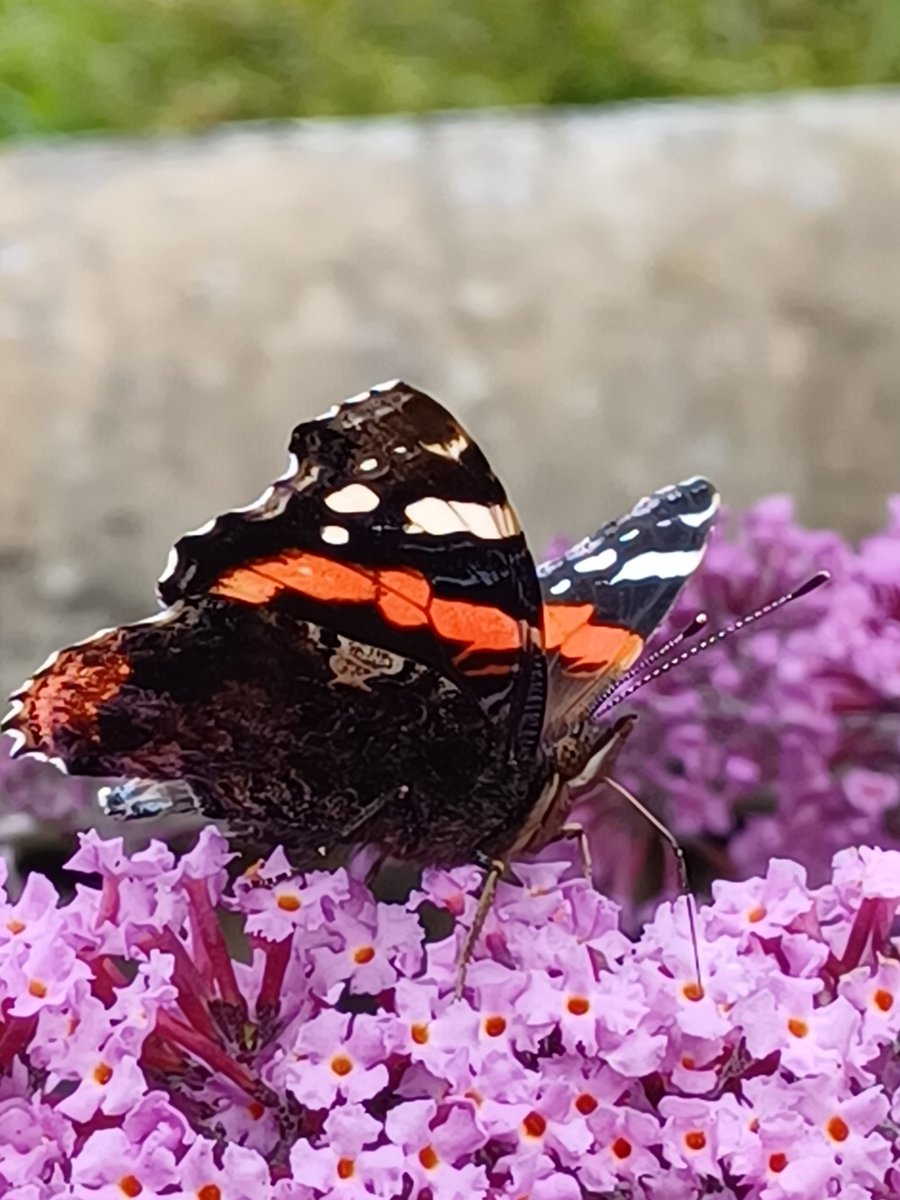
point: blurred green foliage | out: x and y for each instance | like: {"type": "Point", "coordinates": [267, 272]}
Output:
{"type": "Point", "coordinates": [149, 65]}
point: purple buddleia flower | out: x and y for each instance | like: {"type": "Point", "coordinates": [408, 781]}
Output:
{"type": "Point", "coordinates": [142, 1055]}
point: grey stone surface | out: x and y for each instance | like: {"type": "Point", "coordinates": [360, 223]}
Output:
{"type": "Point", "coordinates": [610, 299]}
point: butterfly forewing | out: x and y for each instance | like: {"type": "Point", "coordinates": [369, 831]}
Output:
{"type": "Point", "coordinates": [606, 595]}
{"type": "Point", "coordinates": [390, 527]}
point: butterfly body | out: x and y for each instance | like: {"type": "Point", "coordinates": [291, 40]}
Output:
{"type": "Point", "coordinates": [368, 654]}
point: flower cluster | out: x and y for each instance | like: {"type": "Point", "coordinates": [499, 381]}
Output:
{"type": "Point", "coordinates": [784, 738]}
{"type": "Point", "coordinates": [167, 1033]}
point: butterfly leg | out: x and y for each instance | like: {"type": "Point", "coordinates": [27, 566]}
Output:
{"type": "Point", "coordinates": [574, 830]}
{"type": "Point", "coordinates": [494, 871]}
{"type": "Point", "coordinates": [683, 877]}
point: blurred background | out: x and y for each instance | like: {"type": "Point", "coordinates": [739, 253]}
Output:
{"type": "Point", "coordinates": [625, 242]}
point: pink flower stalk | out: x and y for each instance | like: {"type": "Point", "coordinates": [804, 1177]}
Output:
{"type": "Point", "coordinates": [782, 740]}
{"type": "Point", "coordinates": [318, 1053]}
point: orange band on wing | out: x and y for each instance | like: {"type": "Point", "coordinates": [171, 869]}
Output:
{"type": "Point", "coordinates": [584, 646]}
{"type": "Point", "coordinates": [562, 620]}
{"type": "Point", "coordinates": [483, 627]}
{"type": "Point", "coordinates": [71, 690]}
{"type": "Point", "coordinates": [403, 598]}
{"type": "Point", "coordinates": [313, 575]}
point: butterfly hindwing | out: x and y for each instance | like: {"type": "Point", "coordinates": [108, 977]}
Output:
{"type": "Point", "coordinates": [271, 723]}
{"type": "Point", "coordinates": [606, 595]}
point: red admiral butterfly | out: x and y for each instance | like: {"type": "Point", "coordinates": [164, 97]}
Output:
{"type": "Point", "coordinates": [367, 653]}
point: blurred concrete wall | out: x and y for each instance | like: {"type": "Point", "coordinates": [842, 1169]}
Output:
{"type": "Point", "coordinates": [611, 299]}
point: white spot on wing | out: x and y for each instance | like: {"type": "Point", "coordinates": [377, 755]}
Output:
{"type": "Point", "coordinates": [597, 562]}
{"type": "Point", "coordinates": [485, 521]}
{"type": "Point", "coordinates": [659, 564]}
{"type": "Point", "coordinates": [335, 535]}
{"type": "Point", "coordinates": [354, 498]}
{"type": "Point", "coordinates": [452, 449]}
{"type": "Point", "coordinates": [560, 589]}
{"type": "Point", "coordinates": [695, 520]}
{"type": "Point", "coordinates": [369, 464]}
{"type": "Point", "coordinates": [629, 536]}
{"type": "Point", "coordinates": [491, 522]}
{"type": "Point", "coordinates": [388, 386]}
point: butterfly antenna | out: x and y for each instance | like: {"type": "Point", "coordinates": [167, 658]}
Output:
{"type": "Point", "coordinates": [690, 631]}
{"type": "Point", "coordinates": [684, 882]}
{"type": "Point", "coordinates": [634, 683]}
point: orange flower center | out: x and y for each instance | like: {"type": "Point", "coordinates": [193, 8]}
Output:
{"type": "Point", "coordinates": [494, 1026]}
{"type": "Point", "coordinates": [419, 1033]}
{"type": "Point", "coordinates": [428, 1158]}
{"type": "Point", "coordinates": [255, 1109]}
{"type": "Point", "coordinates": [129, 1185]}
{"type": "Point", "coordinates": [209, 1191]}
{"type": "Point", "coordinates": [883, 1000]}
{"type": "Point", "coordinates": [621, 1148]}
{"type": "Point", "coordinates": [288, 901]}
{"type": "Point", "coordinates": [688, 1062]}
{"type": "Point", "coordinates": [37, 988]}
{"type": "Point", "coordinates": [692, 991]}
{"type": "Point", "coordinates": [585, 1103]}
{"type": "Point", "coordinates": [102, 1073]}
{"type": "Point", "coordinates": [838, 1129]}
{"type": "Point", "coordinates": [797, 1027]}
{"type": "Point", "coordinates": [756, 914]}
{"type": "Point", "coordinates": [695, 1139]}
{"type": "Point", "coordinates": [363, 954]}
{"type": "Point", "coordinates": [578, 1005]}
{"type": "Point", "coordinates": [534, 1125]}
{"type": "Point", "coordinates": [777, 1162]}
{"type": "Point", "coordinates": [341, 1065]}
{"type": "Point", "coordinates": [346, 1168]}
{"type": "Point", "coordinates": [14, 926]}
